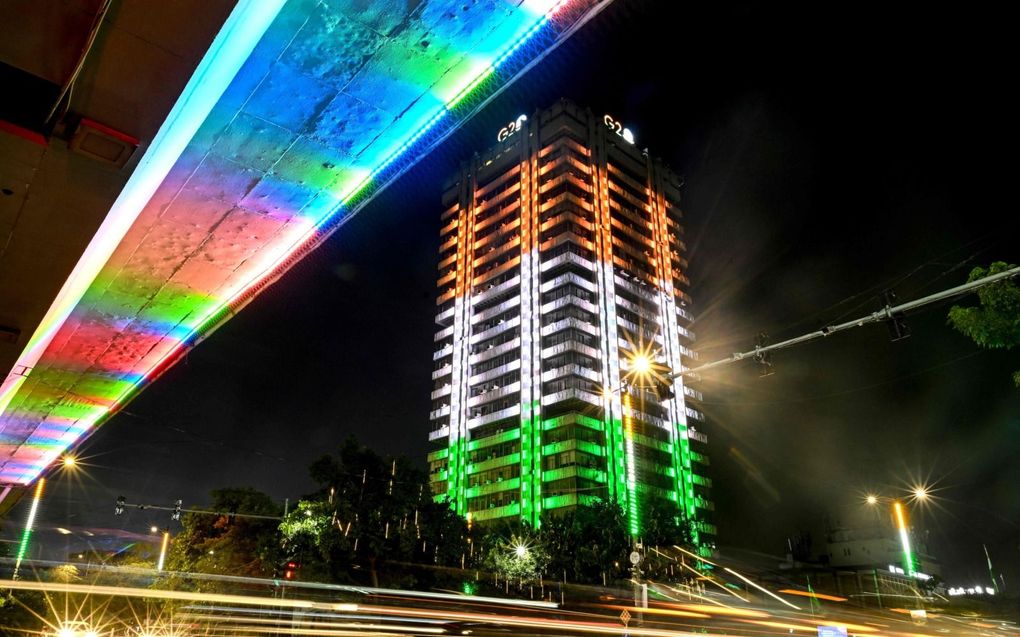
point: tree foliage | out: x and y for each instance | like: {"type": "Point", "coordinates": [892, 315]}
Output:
{"type": "Point", "coordinates": [995, 323]}
{"type": "Point", "coordinates": [515, 552]}
{"type": "Point", "coordinates": [370, 511]}
{"type": "Point", "coordinates": [224, 543]}
{"type": "Point", "coordinates": [587, 542]}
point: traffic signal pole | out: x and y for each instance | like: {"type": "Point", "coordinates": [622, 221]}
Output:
{"type": "Point", "coordinates": [887, 313]}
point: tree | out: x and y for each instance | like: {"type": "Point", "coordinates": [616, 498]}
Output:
{"type": "Point", "coordinates": [588, 542]}
{"type": "Point", "coordinates": [221, 542]}
{"type": "Point", "coordinates": [996, 323]}
{"type": "Point", "coordinates": [516, 552]}
{"type": "Point", "coordinates": [371, 511]}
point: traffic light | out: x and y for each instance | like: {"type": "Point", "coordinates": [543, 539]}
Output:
{"type": "Point", "coordinates": [898, 328]}
{"type": "Point", "coordinates": [664, 390]}
{"type": "Point", "coordinates": [763, 358]}
{"type": "Point", "coordinates": [176, 515]}
{"type": "Point", "coordinates": [290, 569]}
{"type": "Point", "coordinates": [119, 509]}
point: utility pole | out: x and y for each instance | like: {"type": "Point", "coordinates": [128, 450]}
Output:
{"type": "Point", "coordinates": [891, 314]}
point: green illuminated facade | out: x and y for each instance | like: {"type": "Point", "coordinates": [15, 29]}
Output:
{"type": "Point", "coordinates": [561, 255]}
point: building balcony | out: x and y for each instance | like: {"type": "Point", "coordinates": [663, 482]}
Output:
{"type": "Point", "coordinates": [439, 413]}
{"type": "Point", "coordinates": [574, 471]}
{"type": "Point", "coordinates": [573, 444]}
{"type": "Point", "coordinates": [569, 322]}
{"type": "Point", "coordinates": [512, 509]}
{"type": "Point", "coordinates": [495, 350]}
{"type": "Point", "coordinates": [442, 391]}
{"type": "Point", "coordinates": [439, 434]}
{"type": "Point", "coordinates": [445, 318]}
{"type": "Point", "coordinates": [446, 370]}
{"type": "Point", "coordinates": [694, 413]}
{"type": "Point", "coordinates": [495, 372]}
{"type": "Point", "coordinates": [694, 434]}
{"type": "Point", "coordinates": [572, 369]}
{"type": "Point", "coordinates": [496, 310]}
{"type": "Point", "coordinates": [571, 394]}
{"type": "Point", "coordinates": [496, 251]}
{"type": "Point", "coordinates": [567, 257]}
{"type": "Point", "coordinates": [571, 346]}
{"type": "Point", "coordinates": [478, 421]}
{"type": "Point", "coordinates": [494, 463]}
{"type": "Point", "coordinates": [485, 292]}
{"type": "Point", "coordinates": [486, 275]}
{"type": "Point", "coordinates": [568, 278]}
{"type": "Point", "coordinates": [494, 486]}
{"type": "Point", "coordinates": [693, 393]}
{"type": "Point", "coordinates": [442, 352]}
{"type": "Point", "coordinates": [494, 394]}
{"type": "Point", "coordinates": [495, 330]}
{"type": "Point", "coordinates": [443, 333]}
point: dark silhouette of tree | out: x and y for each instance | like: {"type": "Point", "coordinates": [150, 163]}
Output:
{"type": "Point", "coordinates": [587, 542]}
{"type": "Point", "coordinates": [220, 542]}
{"type": "Point", "coordinates": [370, 512]}
{"type": "Point", "coordinates": [995, 323]}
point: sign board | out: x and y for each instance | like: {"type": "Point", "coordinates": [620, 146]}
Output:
{"type": "Point", "coordinates": [625, 617]}
{"type": "Point", "coordinates": [832, 631]}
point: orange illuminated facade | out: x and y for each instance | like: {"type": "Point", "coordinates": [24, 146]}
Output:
{"type": "Point", "coordinates": [561, 256]}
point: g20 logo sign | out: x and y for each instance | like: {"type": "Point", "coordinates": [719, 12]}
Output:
{"type": "Point", "coordinates": [511, 128]}
{"type": "Point", "coordinates": [618, 128]}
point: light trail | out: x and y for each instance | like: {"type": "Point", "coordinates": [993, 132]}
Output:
{"type": "Point", "coordinates": [540, 624]}
{"type": "Point", "coordinates": [761, 588]}
{"type": "Point", "coordinates": [709, 579]}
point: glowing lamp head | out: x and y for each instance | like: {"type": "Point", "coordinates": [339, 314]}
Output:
{"type": "Point", "coordinates": [521, 550]}
{"type": "Point", "coordinates": [872, 499]}
{"type": "Point", "coordinates": [641, 364]}
{"type": "Point", "coordinates": [920, 493]}
{"type": "Point", "coordinates": [70, 462]}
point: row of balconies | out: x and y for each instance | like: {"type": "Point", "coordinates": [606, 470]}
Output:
{"type": "Point", "coordinates": [495, 372]}
{"type": "Point", "coordinates": [572, 369]}
{"type": "Point", "coordinates": [570, 299]}
{"type": "Point", "coordinates": [494, 393]}
{"type": "Point", "coordinates": [565, 279]}
{"type": "Point", "coordinates": [484, 293]}
{"type": "Point", "coordinates": [694, 434]}
{"type": "Point", "coordinates": [494, 350]}
{"type": "Point", "coordinates": [482, 275]}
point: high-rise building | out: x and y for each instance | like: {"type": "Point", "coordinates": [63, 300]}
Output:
{"type": "Point", "coordinates": [561, 274]}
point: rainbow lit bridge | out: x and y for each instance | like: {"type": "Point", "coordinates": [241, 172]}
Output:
{"type": "Point", "coordinates": [296, 116]}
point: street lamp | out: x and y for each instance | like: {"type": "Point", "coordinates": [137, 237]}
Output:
{"type": "Point", "coordinates": [902, 529]}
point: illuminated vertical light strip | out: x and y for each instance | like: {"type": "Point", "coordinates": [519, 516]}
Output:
{"type": "Point", "coordinates": [528, 371]}
{"type": "Point", "coordinates": [229, 51]}
{"type": "Point", "coordinates": [29, 523]}
{"type": "Point", "coordinates": [633, 517]}
{"type": "Point", "coordinates": [901, 526]}
{"type": "Point", "coordinates": [608, 341]}
{"type": "Point", "coordinates": [679, 443]}
{"type": "Point", "coordinates": [232, 46]}
{"type": "Point", "coordinates": [162, 550]}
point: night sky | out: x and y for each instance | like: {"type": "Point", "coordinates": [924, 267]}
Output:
{"type": "Point", "coordinates": [828, 154]}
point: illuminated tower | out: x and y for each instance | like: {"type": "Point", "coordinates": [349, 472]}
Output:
{"type": "Point", "coordinates": [560, 257]}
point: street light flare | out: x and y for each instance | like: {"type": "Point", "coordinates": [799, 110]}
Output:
{"type": "Point", "coordinates": [641, 364]}
{"type": "Point", "coordinates": [872, 499]}
{"type": "Point", "coordinates": [70, 462]}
